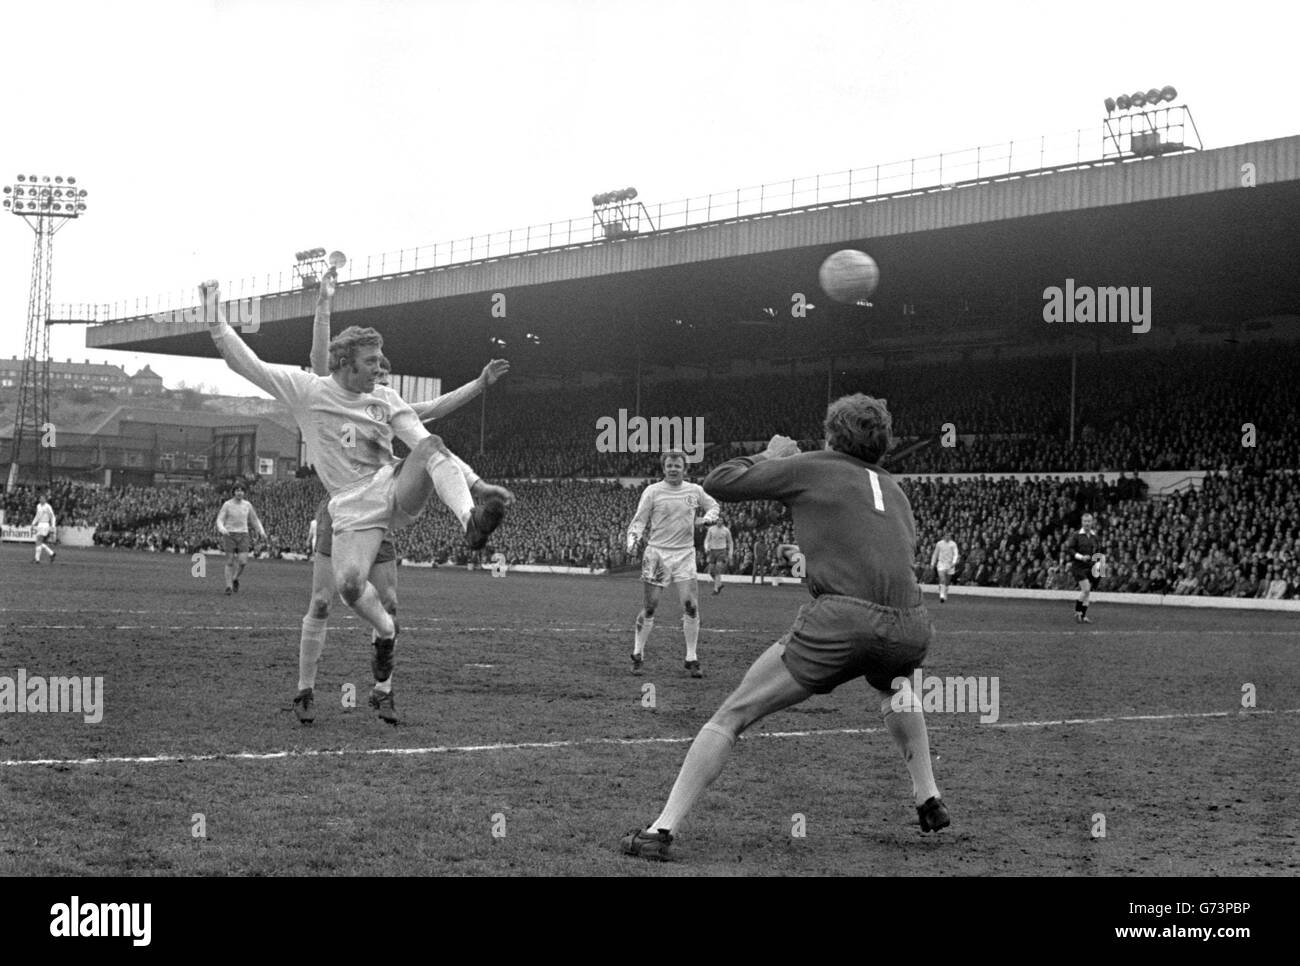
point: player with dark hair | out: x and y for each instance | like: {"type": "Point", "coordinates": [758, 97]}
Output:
{"type": "Point", "coordinates": [666, 517]}
{"type": "Point", "coordinates": [383, 571]}
{"type": "Point", "coordinates": [866, 618]}
{"type": "Point", "coordinates": [1085, 563]}
{"type": "Point", "coordinates": [233, 520]}
{"type": "Point", "coordinates": [719, 552]}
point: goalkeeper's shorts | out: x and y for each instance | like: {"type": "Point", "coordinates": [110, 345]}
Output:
{"type": "Point", "coordinates": [836, 639]}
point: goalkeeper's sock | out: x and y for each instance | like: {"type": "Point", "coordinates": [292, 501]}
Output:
{"type": "Point", "coordinates": [703, 764]}
{"type": "Point", "coordinates": [310, 646]}
{"type": "Point", "coordinates": [906, 725]}
{"type": "Point", "coordinates": [644, 625]}
{"type": "Point", "coordinates": [691, 628]}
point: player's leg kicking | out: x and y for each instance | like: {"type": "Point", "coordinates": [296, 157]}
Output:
{"type": "Point", "coordinates": [394, 501]}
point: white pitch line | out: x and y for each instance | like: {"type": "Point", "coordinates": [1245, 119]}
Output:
{"type": "Point", "coordinates": [576, 743]}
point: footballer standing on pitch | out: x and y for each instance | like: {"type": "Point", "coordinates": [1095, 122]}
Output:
{"type": "Point", "coordinates": [866, 618]}
{"type": "Point", "coordinates": [1081, 553]}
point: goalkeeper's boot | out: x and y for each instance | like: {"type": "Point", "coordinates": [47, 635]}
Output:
{"type": "Point", "coordinates": [933, 815]}
{"type": "Point", "coordinates": [302, 705]}
{"type": "Point", "coordinates": [655, 846]}
{"type": "Point", "coordinates": [382, 702]}
{"type": "Point", "coordinates": [483, 519]}
{"type": "Point", "coordinates": [637, 661]}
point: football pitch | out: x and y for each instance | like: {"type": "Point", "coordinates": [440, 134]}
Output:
{"type": "Point", "coordinates": [527, 747]}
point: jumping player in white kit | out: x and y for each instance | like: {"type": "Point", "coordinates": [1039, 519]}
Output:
{"type": "Point", "coordinates": [348, 422]}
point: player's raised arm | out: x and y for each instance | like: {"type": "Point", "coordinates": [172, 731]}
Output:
{"type": "Point", "coordinates": [449, 402]}
{"type": "Point", "coordinates": [239, 357]}
{"type": "Point", "coordinates": [320, 329]}
{"type": "Point", "coordinates": [763, 476]}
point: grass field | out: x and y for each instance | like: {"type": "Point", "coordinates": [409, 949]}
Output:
{"type": "Point", "coordinates": [526, 746]}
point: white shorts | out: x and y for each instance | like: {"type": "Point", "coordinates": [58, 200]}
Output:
{"type": "Point", "coordinates": [664, 567]}
{"type": "Point", "coordinates": [43, 530]}
{"type": "Point", "coordinates": [371, 505]}
{"type": "Point", "coordinates": [944, 568]}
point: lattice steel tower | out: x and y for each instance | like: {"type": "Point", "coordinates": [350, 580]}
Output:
{"type": "Point", "coordinates": [46, 204]}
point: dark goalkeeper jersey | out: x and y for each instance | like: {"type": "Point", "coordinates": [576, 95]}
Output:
{"type": "Point", "coordinates": [851, 520]}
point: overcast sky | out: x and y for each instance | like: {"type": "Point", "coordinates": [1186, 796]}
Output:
{"type": "Point", "coordinates": [216, 139]}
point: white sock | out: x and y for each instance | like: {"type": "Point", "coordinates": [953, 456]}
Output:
{"type": "Point", "coordinates": [385, 686]}
{"type": "Point", "coordinates": [701, 768]}
{"type": "Point", "coordinates": [449, 482]}
{"type": "Point", "coordinates": [310, 646]}
{"type": "Point", "coordinates": [907, 728]}
{"type": "Point", "coordinates": [691, 628]}
{"type": "Point", "coordinates": [644, 625]}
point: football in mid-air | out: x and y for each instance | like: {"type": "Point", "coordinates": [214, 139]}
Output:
{"type": "Point", "coordinates": [849, 276]}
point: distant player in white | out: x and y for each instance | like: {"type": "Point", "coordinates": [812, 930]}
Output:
{"type": "Point", "coordinates": [719, 552]}
{"type": "Point", "coordinates": [666, 516]}
{"type": "Point", "coordinates": [348, 422]}
{"type": "Point", "coordinates": [233, 520]}
{"type": "Point", "coordinates": [43, 524]}
{"type": "Point", "coordinates": [944, 561]}
{"type": "Point", "coordinates": [383, 571]}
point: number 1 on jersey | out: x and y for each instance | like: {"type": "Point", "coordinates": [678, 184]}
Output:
{"type": "Point", "coordinates": [876, 496]}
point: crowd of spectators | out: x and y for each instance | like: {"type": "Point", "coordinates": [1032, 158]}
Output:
{"type": "Point", "coordinates": [1176, 409]}
{"type": "Point", "coordinates": [1238, 535]}
{"type": "Point", "coordinates": [1227, 412]}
